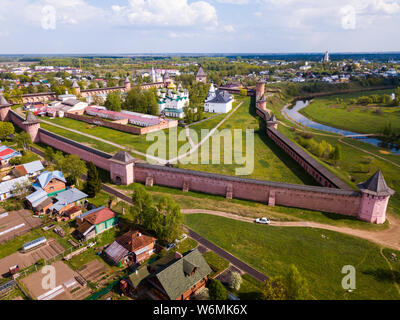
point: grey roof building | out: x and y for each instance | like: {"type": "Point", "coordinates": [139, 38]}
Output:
{"type": "Point", "coordinates": [181, 275]}
{"type": "Point", "coordinates": [68, 197]}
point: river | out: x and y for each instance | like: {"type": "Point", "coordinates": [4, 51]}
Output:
{"type": "Point", "coordinates": [292, 113]}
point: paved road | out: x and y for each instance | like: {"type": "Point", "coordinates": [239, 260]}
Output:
{"type": "Point", "coordinates": [204, 242]}
{"type": "Point", "coordinates": [226, 255]}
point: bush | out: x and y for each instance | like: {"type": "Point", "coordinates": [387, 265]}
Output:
{"type": "Point", "coordinates": [217, 290]}
{"type": "Point", "coordinates": [235, 281]}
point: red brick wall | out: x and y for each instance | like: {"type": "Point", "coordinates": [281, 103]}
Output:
{"type": "Point", "coordinates": [317, 198]}
{"type": "Point", "coordinates": [99, 161]}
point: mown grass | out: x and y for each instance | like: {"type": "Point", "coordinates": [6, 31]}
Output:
{"type": "Point", "coordinates": [216, 263]}
{"type": "Point", "coordinates": [268, 162]}
{"type": "Point", "coordinates": [320, 260]}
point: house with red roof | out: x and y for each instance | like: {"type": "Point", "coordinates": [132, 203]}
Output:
{"type": "Point", "coordinates": [94, 222]}
{"type": "Point", "coordinates": [6, 154]}
{"type": "Point", "coordinates": [131, 248]}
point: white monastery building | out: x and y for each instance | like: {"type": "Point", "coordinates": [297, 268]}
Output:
{"type": "Point", "coordinates": [218, 101]}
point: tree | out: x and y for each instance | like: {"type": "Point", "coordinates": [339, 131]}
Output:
{"type": "Point", "coordinates": [274, 289]}
{"type": "Point", "coordinates": [337, 154]}
{"type": "Point", "coordinates": [217, 290]}
{"type": "Point", "coordinates": [23, 140]}
{"type": "Point", "coordinates": [113, 101]}
{"type": "Point", "coordinates": [170, 219]}
{"type": "Point", "coordinates": [296, 285]}
{"type": "Point", "coordinates": [93, 182]}
{"type": "Point", "coordinates": [142, 202]}
{"type": "Point", "coordinates": [21, 189]}
{"type": "Point", "coordinates": [235, 281]}
{"type": "Point", "coordinates": [6, 129]}
{"type": "Point", "coordinates": [291, 287]}
{"type": "Point", "coordinates": [73, 168]}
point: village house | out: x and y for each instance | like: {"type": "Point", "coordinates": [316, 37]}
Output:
{"type": "Point", "coordinates": [66, 200]}
{"type": "Point", "coordinates": [39, 202]}
{"type": "Point", "coordinates": [8, 188]}
{"type": "Point", "coordinates": [173, 277]}
{"type": "Point", "coordinates": [6, 154]}
{"type": "Point", "coordinates": [51, 182]}
{"type": "Point", "coordinates": [132, 248]}
{"type": "Point", "coordinates": [95, 222]}
{"type": "Point", "coordinates": [31, 169]}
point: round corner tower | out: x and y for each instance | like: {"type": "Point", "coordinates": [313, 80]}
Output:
{"type": "Point", "coordinates": [260, 89]}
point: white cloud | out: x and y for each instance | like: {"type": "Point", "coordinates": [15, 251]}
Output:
{"type": "Point", "coordinates": [349, 17]}
{"type": "Point", "coordinates": [228, 28]}
{"type": "Point", "coordinates": [167, 13]}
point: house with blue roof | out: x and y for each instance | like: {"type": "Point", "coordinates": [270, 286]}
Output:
{"type": "Point", "coordinates": [51, 182]}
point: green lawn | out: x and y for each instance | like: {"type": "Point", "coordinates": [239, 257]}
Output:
{"type": "Point", "coordinates": [273, 250]}
{"type": "Point", "coordinates": [356, 118]}
{"type": "Point", "coordinates": [270, 162]}
{"type": "Point", "coordinates": [216, 263]}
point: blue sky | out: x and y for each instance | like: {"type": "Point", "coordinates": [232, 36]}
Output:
{"type": "Point", "coordinates": [210, 26]}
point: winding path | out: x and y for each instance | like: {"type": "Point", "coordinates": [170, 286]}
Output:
{"type": "Point", "coordinates": [389, 238]}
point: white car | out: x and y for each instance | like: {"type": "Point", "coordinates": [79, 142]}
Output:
{"type": "Point", "coordinates": [262, 221]}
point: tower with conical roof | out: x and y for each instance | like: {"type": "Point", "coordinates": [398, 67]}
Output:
{"type": "Point", "coordinates": [375, 199]}
{"type": "Point", "coordinates": [76, 89]}
{"type": "Point", "coordinates": [32, 126]}
{"type": "Point", "coordinates": [4, 108]}
{"type": "Point", "coordinates": [122, 168]}
{"type": "Point", "coordinates": [201, 76]}
{"type": "Point", "coordinates": [127, 84]}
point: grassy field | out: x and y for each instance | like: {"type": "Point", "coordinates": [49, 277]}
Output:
{"type": "Point", "coordinates": [270, 162]}
{"type": "Point", "coordinates": [320, 260]}
{"type": "Point", "coordinates": [216, 263]}
{"type": "Point", "coordinates": [356, 118]}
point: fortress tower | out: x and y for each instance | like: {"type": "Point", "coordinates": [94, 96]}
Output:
{"type": "Point", "coordinates": [32, 126]}
{"type": "Point", "coordinates": [375, 199]}
{"type": "Point", "coordinates": [127, 84]}
{"type": "Point", "coordinates": [121, 168]}
{"type": "Point", "coordinates": [4, 108]}
{"type": "Point", "coordinates": [76, 89]}
{"type": "Point", "coordinates": [272, 123]}
{"type": "Point", "coordinates": [260, 89]}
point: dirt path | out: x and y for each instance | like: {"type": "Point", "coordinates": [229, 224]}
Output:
{"type": "Point", "coordinates": [389, 238]}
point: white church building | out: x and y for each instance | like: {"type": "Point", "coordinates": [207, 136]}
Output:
{"type": "Point", "coordinates": [218, 101]}
{"type": "Point", "coordinates": [172, 101]}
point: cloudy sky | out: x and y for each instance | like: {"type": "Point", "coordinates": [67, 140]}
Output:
{"type": "Point", "coordinates": [198, 26]}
